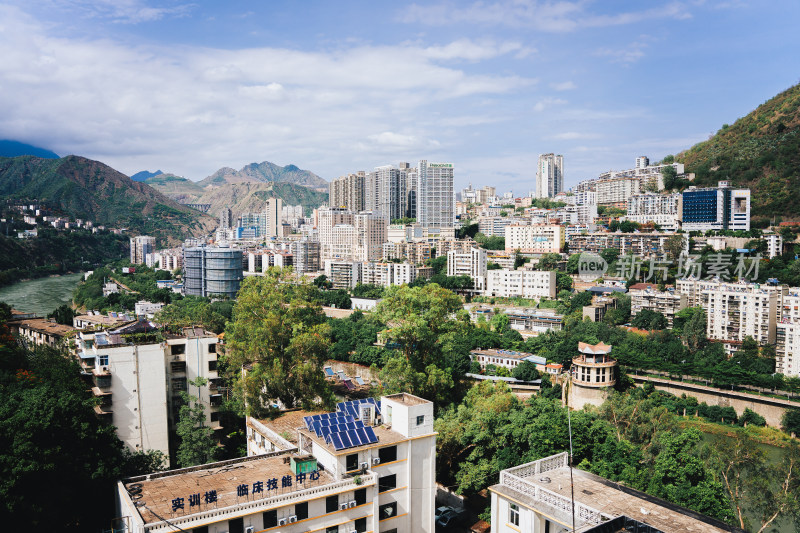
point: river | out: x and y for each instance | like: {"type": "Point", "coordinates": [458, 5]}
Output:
{"type": "Point", "coordinates": [42, 295]}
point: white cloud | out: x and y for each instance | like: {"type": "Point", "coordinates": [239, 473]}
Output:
{"type": "Point", "coordinates": [121, 11]}
{"type": "Point", "coordinates": [564, 86]}
{"type": "Point", "coordinates": [574, 135]}
{"type": "Point", "coordinates": [192, 110]}
{"type": "Point", "coordinates": [554, 17]}
{"type": "Point", "coordinates": [546, 103]}
{"type": "Point", "coordinates": [631, 54]}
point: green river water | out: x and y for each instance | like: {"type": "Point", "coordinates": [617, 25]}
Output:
{"type": "Point", "coordinates": [42, 295]}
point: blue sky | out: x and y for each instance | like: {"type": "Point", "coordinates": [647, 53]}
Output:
{"type": "Point", "coordinates": [336, 87]}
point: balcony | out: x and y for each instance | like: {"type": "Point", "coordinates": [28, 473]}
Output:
{"type": "Point", "coordinates": [103, 396]}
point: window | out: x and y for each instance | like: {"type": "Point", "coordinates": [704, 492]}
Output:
{"type": "Point", "coordinates": [361, 525]}
{"type": "Point", "coordinates": [513, 514]}
{"type": "Point", "coordinates": [236, 525]}
{"type": "Point", "coordinates": [420, 420]}
{"type": "Point", "coordinates": [102, 360]}
{"type": "Point", "coordinates": [331, 504]}
{"type": "Point", "coordinates": [301, 510]}
{"type": "Point", "coordinates": [201, 529]}
{"type": "Point", "coordinates": [178, 349]}
{"type": "Point", "coordinates": [387, 510]}
{"type": "Point", "coordinates": [351, 462]}
{"type": "Point", "coordinates": [212, 366]}
{"type": "Point", "coordinates": [215, 416]}
{"type": "Point", "coordinates": [361, 496]}
{"type": "Point", "coordinates": [271, 518]}
{"type": "Point", "coordinates": [212, 348]}
{"type": "Point", "coordinates": [387, 483]}
{"type": "Point", "coordinates": [387, 454]}
{"type": "Point", "coordinates": [332, 529]}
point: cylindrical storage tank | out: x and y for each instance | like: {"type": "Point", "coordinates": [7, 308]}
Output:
{"type": "Point", "coordinates": [193, 271]}
{"type": "Point", "coordinates": [223, 271]}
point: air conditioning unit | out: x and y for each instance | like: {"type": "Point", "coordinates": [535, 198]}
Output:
{"type": "Point", "coordinates": [364, 465]}
{"type": "Point", "coordinates": [343, 506]}
{"type": "Point", "coordinates": [249, 529]}
{"type": "Point", "coordinates": [104, 368]}
{"type": "Point", "coordinates": [351, 503]}
{"type": "Point", "coordinates": [293, 518]}
{"type": "Point", "coordinates": [282, 522]}
{"type": "Point", "coordinates": [376, 460]}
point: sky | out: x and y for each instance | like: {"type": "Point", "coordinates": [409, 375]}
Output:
{"type": "Point", "coordinates": [337, 87]}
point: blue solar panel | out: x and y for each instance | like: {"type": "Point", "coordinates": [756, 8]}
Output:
{"type": "Point", "coordinates": [336, 440]}
{"type": "Point", "coordinates": [370, 435]}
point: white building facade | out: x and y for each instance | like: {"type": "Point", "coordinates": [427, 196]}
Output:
{"type": "Point", "coordinates": [509, 283]}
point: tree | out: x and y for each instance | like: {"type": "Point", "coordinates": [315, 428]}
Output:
{"type": "Point", "coordinates": [778, 494]}
{"type": "Point", "coordinates": [790, 421]}
{"type": "Point", "coordinates": [63, 314]}
{"type": "Point", "coordinates": [650, 320]}
{"type": "Point", "coordinates": [197, 445]}
{"type": "Point", "coordinates": [694, 331]}
{"type": "Point", "coordinates": [674, 245]}
{"type": "Point", "coordinates": [322, 282]}
{"type": "Point", "coordinates": [548, 262]}
{"type": "Point", "coordinates": [670, 177]}
{"type": "Point", "coordinates": [609, 255]}
{"type": "Point", "coordinates": [525, 371]}
{"type": "Point", "coordinates": [563, 282]}
{"type": "Point", "coordinates": [280, 335]}
{"type": "Point", "coordinates": [195, 311]}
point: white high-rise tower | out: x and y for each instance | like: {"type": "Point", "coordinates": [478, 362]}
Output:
{"type": "Point", "coordinates": [549, 175]}
{"type": "Point", "coordinates": [435, 194]}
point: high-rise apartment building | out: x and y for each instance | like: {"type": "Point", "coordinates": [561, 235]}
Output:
{"type": "Point", "coordinates": [225, 218]}
{"type": "Point", "coordinates": [348, 192]}
{"type": "Point", "coordinates": [306, 253]}
{"type": "Point", "coordinates": [661, 209]}
{"type": "Point", "coordinates": [140, 247]}
{"type": "Point", "coordinates": [386, 192]}
{"type": "Point", "coordinates": [549, 175]}
{"type": "Point", "coordinates": [273, 222]}
{"type": "Point", "coordinates": [472, 263]}
{"type": "Point", "coordinates": [138, 382]}
{"type": "Point", "coordinates": [434, 194]}
{"type": "Point", "coordinates": [344, 235]}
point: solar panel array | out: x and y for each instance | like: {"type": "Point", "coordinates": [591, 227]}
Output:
{"type": "Point", "coordinates": [344, 428]}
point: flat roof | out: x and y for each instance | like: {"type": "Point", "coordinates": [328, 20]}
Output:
{"type": "Point", "coordinates": [287, 424]}
{"type": "Point", "coordinates": [158, 492]}
{"type": "Point", "coordinates": [615, 500]}
{"type": "Point", "coordinates": [407, 399]}
{"type": "Point", "coordinates": [508, 354]}
{"type": "Point", "coordinates": [385, 437]}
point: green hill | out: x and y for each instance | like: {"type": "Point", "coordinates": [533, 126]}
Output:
{"type": "Point", "coordinates": [82, 188]}
{"type": "Point", "coordinates": [760, 151]}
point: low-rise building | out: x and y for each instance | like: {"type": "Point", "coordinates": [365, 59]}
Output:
{"type": "Point", "coordinates": [647, 296]}
{"type": "Point", "coordinates": [471, 264]}
{"type": "Point", "coordinates": [598, 308]}
{"type": "Point", "coordinates": [504, 358]}
{"type": "Point", "coordinates": [535, 239]}
{"type": "Point", "coordinates": [593, 373]}
{"type": "Point", "coordinates": [548, 494]}
{"type": "Point", "coordinates": [522, 283]}
{"type": "Point", "coordinates": [40, 332]}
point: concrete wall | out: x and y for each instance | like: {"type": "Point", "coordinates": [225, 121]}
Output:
{"type": "Point", "coordinates": [771, 409]}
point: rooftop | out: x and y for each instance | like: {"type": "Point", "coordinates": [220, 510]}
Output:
{"type": "Point", "coordinates": [287, 424]}
{"type": "Point", "coordinates": [407, 399]}
{"type": "Point", "coordinates": [42, 325]}
{"type": "Point", "coordinates": [595, 349]}
{"type": "Point", "coordinates": [159, 492]}
{"type": "Point", "coordinates": [545, 485]}
{"type": "Point", "coordinates": [507, 354]}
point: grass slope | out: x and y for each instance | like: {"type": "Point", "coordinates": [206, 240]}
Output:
{"type": "Point", "coordinates": [88, 189]}
{"type": "Point", "coordinates": [760, 151]}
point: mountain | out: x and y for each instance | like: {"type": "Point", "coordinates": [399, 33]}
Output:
{"type": "Point", "coordinates": [14, 149]}
{"type": "Point", "coordinates": [83, 188]}
{"type": "Point", "coordinates": [246, 196]}
{"type": "Point", "coordinates": [264, 172]}
{"type": "Point", "coordinates": [179, 189]}
{"type": "Point", "coordinates": [145, 174]}
{"type": "Point", "coordinates": [760, 151]}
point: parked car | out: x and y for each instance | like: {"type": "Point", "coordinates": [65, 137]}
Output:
{"type": "Point", "coordinates": [447, 516]}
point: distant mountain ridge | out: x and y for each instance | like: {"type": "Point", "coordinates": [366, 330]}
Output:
{"type": "Point", "coordinates": [266, 172]}
{"type": "Point", "coordinates": [760, 151]}
{"type": "Point", "coordinates": [16, 148]}
{"type": "Point", "coordinates": [144, 175]}
{"type": "Point", "coordinates": [91, 190]}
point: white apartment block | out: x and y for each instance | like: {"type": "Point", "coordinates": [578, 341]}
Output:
{"type": "Point", "coordinates": [343, 274]}
{"type": "Point", "coordinates": [549, 175]}
{"type": "Point", "coordinates": [261, 261]}
{"type": "Point", "coordinates": [305, 255]}
{"type": "Point", "coordinates": [577, 214]}
{"type": "Point", "coordinates": [434, 194]}
{"type": "Point", "coordinates": [273, 213]}
{"type": "Point", "coordinates": [787, 361]}
{"type": "Point", "coordinates": [647, 296]}
{"type": "Point", "coordinates": [508, 359]}
{"type": "Point", "coordinates": [495, 225]}
{"type": "Point", "coordinates": [735, 311]}
{"type": "Point", "coordinates": [617, 190]}
{"type": "Point", "coordinates": [509, 283]}
{"type": "Point", "coordinates": [662, 209]}
{"type": "Point", "coordinates": [139, 383]}
{"type": "Point", "coordinates": [774, 245]}
{"type": "Point", "coordinates": [345, 235]}
{"type": "Point", "coordinates": [471, 263]}
{"type": "Point", "coordinates": [538, 238]}
{"type": "Point", "coordinates": [545, 496]}
{"type": "Point", "coordinates": [165, 259]}
{"type": "Point", "coordinates": [388, 274]}
{"type": "Point", "coordinates": [413, 252]}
